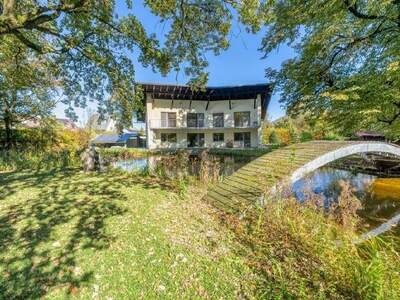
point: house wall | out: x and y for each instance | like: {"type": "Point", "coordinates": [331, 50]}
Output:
{"type": "Point", "coordinates": [154, 108]}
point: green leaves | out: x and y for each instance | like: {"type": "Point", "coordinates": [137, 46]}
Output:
{"type": "Point", "coordinates": [343, 67]}
{"type": "Point", "coordinates": [93, 47]}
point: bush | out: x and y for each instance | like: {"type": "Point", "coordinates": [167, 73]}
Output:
{"type": "Point", "coordinates": [273, 138]}
{"type": "Point", "coordinates": [283, 136]}
{"type": "Point", "coordinates": [305, 136]}
{"type": "Point", "coordinates": [38, 160]}
{"type": "Point", "coordinates": [109, 155]}
{"type": "Point", "coordinates": [331, 136]}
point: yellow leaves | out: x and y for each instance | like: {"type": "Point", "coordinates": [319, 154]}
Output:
{"type": "Point", "coordinates": [370, 111]}
{"type": "Point", "coordinates": [336, 96]}
{"type": "Point", "coordinates": [344, 95]}
{"type": "Point", "coordinates": [394, 66]}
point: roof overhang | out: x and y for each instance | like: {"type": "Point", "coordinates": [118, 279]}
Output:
{"type": "Point", "coordinates": [184, 92]}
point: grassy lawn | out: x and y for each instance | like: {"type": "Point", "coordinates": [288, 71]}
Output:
{"type": "Point", "coordinates": [111, 236]}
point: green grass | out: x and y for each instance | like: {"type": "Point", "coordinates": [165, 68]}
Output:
{"type": "Point", "coordinates": [112, 235]}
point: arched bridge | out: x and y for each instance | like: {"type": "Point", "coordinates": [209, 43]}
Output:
{"type": "Point", "coordinates": [246, 187]}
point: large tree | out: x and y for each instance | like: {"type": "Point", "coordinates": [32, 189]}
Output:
{"type": "Point", "coordinates": [347, 66]}
{"type": "Point", "coordinates": [28, 87]}
{"type": "Point", "coordinates": [94, 47]}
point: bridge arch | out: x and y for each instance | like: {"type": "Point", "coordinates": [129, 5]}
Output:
{"type": "Point", "coordinates": [247, 186]}
{"type": "Point", "coordinates": [345, 151]}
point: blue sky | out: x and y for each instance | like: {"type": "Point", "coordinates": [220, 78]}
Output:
{"type": "Point", "coordinates": [241, 64]}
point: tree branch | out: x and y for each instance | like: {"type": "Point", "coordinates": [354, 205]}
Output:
{"type": "Point", "coordinates": [354, 10]}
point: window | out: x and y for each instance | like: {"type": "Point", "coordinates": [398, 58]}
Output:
{"type": "Point", "coordinates": [218, 137]}
{"type": "Point", "coordinates": [168, 119]}
{"type": "Point", "coordinates": [242, 119]}
{"type": "Point", "coordinates": [242, 139]}
{"type": "Point", "coordinates": [195, 120]}
{"type": "Point", "coordinates": [195, 139]}
{"type": "Point", "coordinates": [218, 120]}
{"type": "Point", "coordinates": [168, 137]}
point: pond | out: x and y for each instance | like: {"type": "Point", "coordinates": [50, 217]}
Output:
{"type": "Point", "coordinates": [380, 197]}
{"type": "Point", "coordinates": [228, 164]}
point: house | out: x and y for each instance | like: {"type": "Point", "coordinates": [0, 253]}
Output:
{"type": "Point", "coordinates": [369, 136]}
{"type": "Point", "coordinates": [128, 140]}
{"type": "Point", "coordinates": [67, 123]}
{"type": "Point", "coordinates": [37, 122]}
{"type": "Point", "coordinates": [181, 117]}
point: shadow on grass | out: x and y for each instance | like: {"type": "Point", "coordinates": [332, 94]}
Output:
{"type": "Point", "coordinates": [33, 260]}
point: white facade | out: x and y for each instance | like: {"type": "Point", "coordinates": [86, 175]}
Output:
{"type": "Point", "coordinates": [179, 133]}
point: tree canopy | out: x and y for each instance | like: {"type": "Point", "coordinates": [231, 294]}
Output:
{"type": "Point", "coordinates": [28, 86]}
{"type": "Point", "coordinates": [92, 45]}
{"type": "Point", "coordinates": [347, 67]}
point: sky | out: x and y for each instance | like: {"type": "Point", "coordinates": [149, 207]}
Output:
{"type": "Point", "coordinates": [241, 64]}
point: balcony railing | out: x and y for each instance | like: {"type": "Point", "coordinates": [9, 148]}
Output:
{"type": "Point", "coordinates": [165, 124]}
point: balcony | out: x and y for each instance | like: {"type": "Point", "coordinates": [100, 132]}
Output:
{"type": "Point", "coordinates": [174, 124]}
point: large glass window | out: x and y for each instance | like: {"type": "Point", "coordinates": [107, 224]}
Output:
{"type": "Point", "coordinates": [218, 120]}
{"type": "Point", "coordinates": [242, 139]}
{"type": "Point", "coordinates": [168, 137]}
{"type": "Point", "coordinates": [218, 137]}
{"type": "Point", "coordinates": [195, 139]}
{"type": "Point", "coordinates": [168, 119]}
{"type": "Point", "coordinates": [195, 120]}
{"type": "Point", "coordinates": [242, 119]}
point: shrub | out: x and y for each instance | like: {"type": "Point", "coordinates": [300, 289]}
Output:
{"type": "Point", "coordinates": [273, 138]}
{"type": "Point", "coordinates": [331, 136]}
{"type": "Point", "coordinates": [283, 136]}
{"type": "Point", "coordinates": [305, 136]}
{"type": "Point", "coordinates": [38, 160]}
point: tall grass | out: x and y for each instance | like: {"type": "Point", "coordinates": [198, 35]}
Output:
{"type": "Point", "coordinates": [114, 154]}
{"type": "Point", "coordinates": [301, 253]}
{"type": "Point", "coordinates": [13, 160]}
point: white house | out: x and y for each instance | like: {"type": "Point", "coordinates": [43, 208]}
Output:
{"type": "Point", "coordinates": [180, 117]}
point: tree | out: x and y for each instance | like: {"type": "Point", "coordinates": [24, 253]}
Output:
{"type": "Point", "coordinates": [92, 45]}
{"type": "Point", "coordinates": [27, 87]}
{"type": "Point", "coordinates": [347, 67]}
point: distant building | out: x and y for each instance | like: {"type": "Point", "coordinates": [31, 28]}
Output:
{"type": "Point", "coordinates": [96, 124]}
{"type": "Point", "coordinates": [128, 140]}
{"type": "Point", "coordinates": [36, 123]}
{"type": "Point", "coordinates": [369, 136]}
{"type": "Point", "coordinates": [180, 117]}
{"type": "Point", "coordinates": [67, 123]}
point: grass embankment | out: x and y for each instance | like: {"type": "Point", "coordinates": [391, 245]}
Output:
{"type": "Point", "coordinates": [111, 236]}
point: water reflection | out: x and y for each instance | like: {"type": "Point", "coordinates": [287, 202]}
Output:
{"type": "Point", "coordinates": [380, 197]}
{"type": "Point", "coordinates": [228, 164]}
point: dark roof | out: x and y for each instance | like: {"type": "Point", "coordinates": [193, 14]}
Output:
{"type": "Point", "coordinates": [184, 92]}
{"type": "Point", "coordinates": [369, 134]}
{"type": "Point", "coordinates": [113, 138]}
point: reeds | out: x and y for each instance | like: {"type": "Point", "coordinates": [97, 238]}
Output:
{"type": "Point", "coordinates": [306, 252]}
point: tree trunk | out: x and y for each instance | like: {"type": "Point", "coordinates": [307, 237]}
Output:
{"type": "Point", "coordinates": [8, 130]}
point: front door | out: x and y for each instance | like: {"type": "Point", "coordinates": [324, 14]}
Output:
{"type": "Point", "coordinates": [195, 140]}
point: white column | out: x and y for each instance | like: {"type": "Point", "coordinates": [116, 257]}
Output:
{"type": "Point", "coordinates": [149, 131]}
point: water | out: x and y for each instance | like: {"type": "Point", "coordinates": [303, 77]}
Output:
{"type": "Point", "coordinates": [228, 164]}
{"type": "Point", "coordinates": [380, 197]}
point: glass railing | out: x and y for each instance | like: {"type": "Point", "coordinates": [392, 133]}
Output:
{"type": "Point", "coordinates": [157, 123]}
